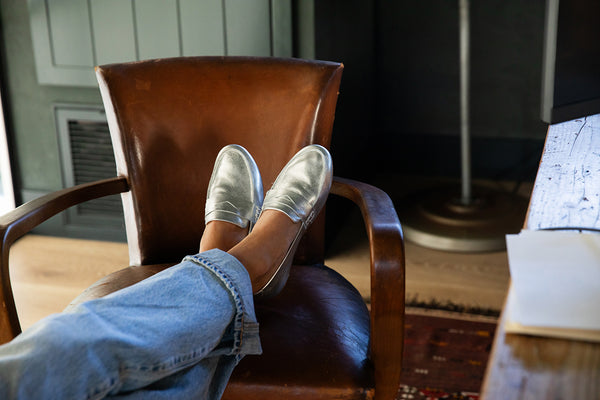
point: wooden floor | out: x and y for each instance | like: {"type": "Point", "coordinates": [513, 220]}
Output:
{"type": "Point", "coordinates": [467, 281]}
{"type": "Point", "coordinates": [461, 280]}
{"type": "Point", "coordinates": [48, 272]}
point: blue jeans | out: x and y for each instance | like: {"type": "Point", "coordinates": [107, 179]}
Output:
{"type": "Point", "coordinates": [175, 335]}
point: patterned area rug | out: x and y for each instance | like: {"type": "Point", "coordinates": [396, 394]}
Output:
{"type": "Point", "coordinates": [445, 355]}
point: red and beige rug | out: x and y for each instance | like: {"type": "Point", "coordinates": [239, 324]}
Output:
{"type": "Point", "coordinates": [445, 355]}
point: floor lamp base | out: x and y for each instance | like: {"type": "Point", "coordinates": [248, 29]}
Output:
{"type": "Point", "coordinates": [437, 219]}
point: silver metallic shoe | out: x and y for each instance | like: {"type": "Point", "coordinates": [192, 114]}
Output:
{"type": "Point", "coordinates": [300, 191]}
{"type": "Point", "coordinates": [235, 192]}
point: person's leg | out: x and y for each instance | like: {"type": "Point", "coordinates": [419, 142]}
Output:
{"type": "Point", "coordinates": [173, 335]}
{"type": "Point", "coordinates": [188, 383]}
{"type": "Point", "coordinates": [261, 252]}
{"type": "Point", "coordinates": [201, 309]}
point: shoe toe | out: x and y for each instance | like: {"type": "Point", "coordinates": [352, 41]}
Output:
{"type": "Point", "coordinates": [235, 189]}
{"type": "Point", "coordinates": [303, 184]}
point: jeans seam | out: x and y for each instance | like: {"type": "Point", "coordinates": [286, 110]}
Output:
{"type": "Point", "coordinates": [234, 293]}
{"type": "Point", "coordinates": [102, 390]}
{"type": "Point", "coordinates": [175, 362]}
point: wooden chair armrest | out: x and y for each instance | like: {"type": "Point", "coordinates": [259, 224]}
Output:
{"type": "Point", "coordinates": [23, 219]}
{"type": "Point", "coordinates": [387, 280]}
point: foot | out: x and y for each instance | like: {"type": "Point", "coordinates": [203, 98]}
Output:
{"type": "Point", "coordinates": [263, 251]}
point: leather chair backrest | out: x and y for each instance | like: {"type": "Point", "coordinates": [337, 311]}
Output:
{"type": "Point", "coordinates": [169, 118]}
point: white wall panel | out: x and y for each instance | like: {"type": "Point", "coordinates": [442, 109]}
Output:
{"type": "Point", "coordinates": [69, 26]}
{"type": "Point", "coordinates": [248, 29]}
{"type": "Point", "coordinates": [157, 28]}
{"type": "Point", "coordinates": [202, 27]}
{"type": "Point", "coordinates": [70, 37]}
{"type": "Point", "coordinates": [113, 31]}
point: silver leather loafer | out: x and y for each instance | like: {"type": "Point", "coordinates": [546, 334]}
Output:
{"type": "Point", "coordinates": [235, 192]}
{"type": "Point", "coordinates": [300, 191]}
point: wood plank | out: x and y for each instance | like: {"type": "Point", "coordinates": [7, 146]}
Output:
{"type": "Point", "coordinates": [48, 272]}
{"type": "Point", "coordinates": [567, 187]}
{"type": "Point", "coordinates": [529, 367]}
{"type": "Point", "coordinates": [478, 280]}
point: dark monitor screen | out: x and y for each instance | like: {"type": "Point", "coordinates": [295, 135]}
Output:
{"type": "Point", "coordinates": [571, 66]}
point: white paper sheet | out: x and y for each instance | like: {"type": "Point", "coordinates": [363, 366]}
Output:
{"type": "Point", "coordinates": [555, 279]}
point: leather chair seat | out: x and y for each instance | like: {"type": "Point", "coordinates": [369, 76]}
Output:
{"type": "Point", "coordinates": [328, 329]}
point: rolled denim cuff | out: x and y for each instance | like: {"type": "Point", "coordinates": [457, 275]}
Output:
{"type": "Point", "coordinates": [241, 338]}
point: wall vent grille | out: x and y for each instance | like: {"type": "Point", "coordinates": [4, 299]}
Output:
{"type": "Point", "coordinates": [93, 159]}
{"type": "Point", "coordinates": [87, 156]}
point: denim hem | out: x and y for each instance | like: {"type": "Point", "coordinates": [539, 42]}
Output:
{"type": "Point", "coordinates": [234, 277]}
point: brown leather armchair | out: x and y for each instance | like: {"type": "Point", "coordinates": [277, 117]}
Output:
{"type": "Point", "coordinates": [168, 119]}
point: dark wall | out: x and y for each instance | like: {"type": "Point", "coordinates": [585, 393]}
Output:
{"type": "Point", "coordinates": [399, 109]}
{"type": "Point", "coordinates": [345, 32]}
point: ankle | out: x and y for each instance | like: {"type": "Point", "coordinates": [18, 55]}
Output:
{"type": "Point", "coordinates": [265, 248]}
{"type": "Point", "coordinates": [258, 264]}
{"type": "Point", "coordinates": [221, 235]}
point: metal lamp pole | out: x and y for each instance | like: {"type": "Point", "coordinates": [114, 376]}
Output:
{"type": "Point", "coordinates": [472, 220]}
{"type": "Point", "coordinates": [465, 139]}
